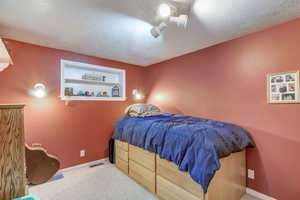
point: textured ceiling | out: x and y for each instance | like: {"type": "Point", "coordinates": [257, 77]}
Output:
{"type": "Point", "coordinates": [119, 29]}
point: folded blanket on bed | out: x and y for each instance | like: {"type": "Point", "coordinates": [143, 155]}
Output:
{"type": "Point", "coordinates": [142, 110]}
{"type": "Point", "coordinates": [194, 144]}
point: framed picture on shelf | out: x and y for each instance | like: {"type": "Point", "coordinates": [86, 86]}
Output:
{"type": "Point", "coordinates": [283, 87]}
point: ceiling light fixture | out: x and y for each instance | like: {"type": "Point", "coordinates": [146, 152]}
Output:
{"type": "Point", "coordinates": [157, 30]}
{"type": "Point", "coordinates": [181, 20]}
{"type": "Point", "coordinates": [164, 10]}
{"type": "Point", "coordinates": [170, 14]}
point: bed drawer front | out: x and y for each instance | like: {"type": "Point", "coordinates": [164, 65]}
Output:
{"type": "Point", "coordinates": [122, 145]}
{"type": "Point", "coordinates": [142, 175]}
{"type": "Point", "coordinates": [142, 157]}
{"type": "Point", "coordinates": [170, 171]}
{"type": "Point", "coordinates": [166, 190]}
{"type": "Point", "coordinates": [122, 165]}
{"type": "Point", "coordinates": [121, 153]}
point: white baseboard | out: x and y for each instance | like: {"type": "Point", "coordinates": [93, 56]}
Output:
{"type": "Point", "coordinates": [105, 160]}
{"type": "Point", "coordinates": [258, 194]}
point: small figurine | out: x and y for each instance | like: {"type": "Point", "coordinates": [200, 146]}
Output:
{"type": "Point", "coordinates": [84, 77]}
{"type": "Point", "coordinates": [105, 94]}
{"type": "Point", "coordinates": [80, 93]}
{"type": "Point", "coordinates": [87, 93]}
{"type": "Point", "coordinates": [116, 91]}
{"type": "Point", "coordinates": [99, 94]}
{"type": "Point", "coordinates": [93, 77]}
{"type": "Point", "coordinates": [68, 91]}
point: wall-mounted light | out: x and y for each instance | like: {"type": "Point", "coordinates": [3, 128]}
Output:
{"type": "Point", "coordinates": [137, 94]}
{"type": "Point", "coordinates": [39, 90]}
{"type": "Point", "coordinates": [5, 59]}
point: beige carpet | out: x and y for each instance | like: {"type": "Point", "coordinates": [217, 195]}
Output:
{"type": "Point", "coordinates": [99, 183]}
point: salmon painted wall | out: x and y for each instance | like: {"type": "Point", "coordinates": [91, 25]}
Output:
{"type": "Point", "coordinates": [63, 130]}
{"type": "Point", "coordinates": [227, 82]}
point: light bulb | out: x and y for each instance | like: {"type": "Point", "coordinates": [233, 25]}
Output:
{"type": "Point", "coordinates": [164, 10]}
{"type": "Point", "coordinates": [39, 90]}
{"type": "Point", "coordinates": [138, 96]}
{"type": "Point", "coordinates": [135, 91]}
{"type": "Point", "coordinates": [39, 93]}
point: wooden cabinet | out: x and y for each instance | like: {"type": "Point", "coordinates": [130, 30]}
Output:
{"type": "Point", "coordinates": [169, 171]}
{"type": "Point", "coordinates": [163, 178]}
{"type": "Point", "coordinates": [142, 175]}
{"type": "Point", "coordinates": [230, 181]}
{"type": "Point", "coordinates": [166, 190]}
{"type": "Point", "coordinates": [142, 167]}
{"type": "Point", "coordinates": [122, 145]}
{"type": "Point", "coordinates": [138, 163]}
{"type": "Point", "coordinates": [122, 165]}
{"type": "Point", "coordinates": [142, 157]}
{"type": "Point", "coordinates": [122, 156]}
{"type": "Point", "coordinates": [12, 148]}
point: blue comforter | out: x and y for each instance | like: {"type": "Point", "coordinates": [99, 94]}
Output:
{"type": "Point", "coordinates": [194, 144]}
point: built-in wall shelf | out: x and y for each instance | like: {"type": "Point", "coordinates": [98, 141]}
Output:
{"type": "Point", "coordinates": [81, 81]}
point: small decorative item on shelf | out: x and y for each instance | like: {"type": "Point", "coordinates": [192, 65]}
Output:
{"type": "Point", "coordinates": [99, 94]}
{"type": "Point", "coordinates": [93, 77]}
{"type": "Point", "coordinates": [105, 94]}
{"type": "Point", "coordinates": [87, 93]}
{"type": "Point", "coordinates": [68, 91]}
{"type": "Point", "coordinates": [115, 91]}
{"type": "Point", "coordinates": [80, 93]}
{"type": "Point", "coordinates": [102, 94]}
{"type": "Point", "coordinates": [103, 78]}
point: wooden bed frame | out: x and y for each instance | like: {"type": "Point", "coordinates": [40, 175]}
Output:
{"type": "Point", "coordinates": [163, 178]}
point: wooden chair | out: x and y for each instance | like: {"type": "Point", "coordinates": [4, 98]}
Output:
{"type": "Point", "coordinates": [40, 166]}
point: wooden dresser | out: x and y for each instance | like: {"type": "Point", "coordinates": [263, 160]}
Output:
{"type": "Point", "coordinates": [12, 148]}
{"type": "Point", "coordinates": [163, 178]}
{"type": "Point", "coordinates": [141, 162]}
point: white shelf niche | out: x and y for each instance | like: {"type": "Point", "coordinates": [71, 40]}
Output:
{"type": "Point", "coordinates": [72, 77]}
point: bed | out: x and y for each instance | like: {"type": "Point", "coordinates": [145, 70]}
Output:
{"type": "Point", "coordinates": [183, 157]}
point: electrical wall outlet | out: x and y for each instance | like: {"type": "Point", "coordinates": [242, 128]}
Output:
{"type": "Point", "coordinates": [82, 153]}
{"type": "Point", "coordinates": [251, 174]}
